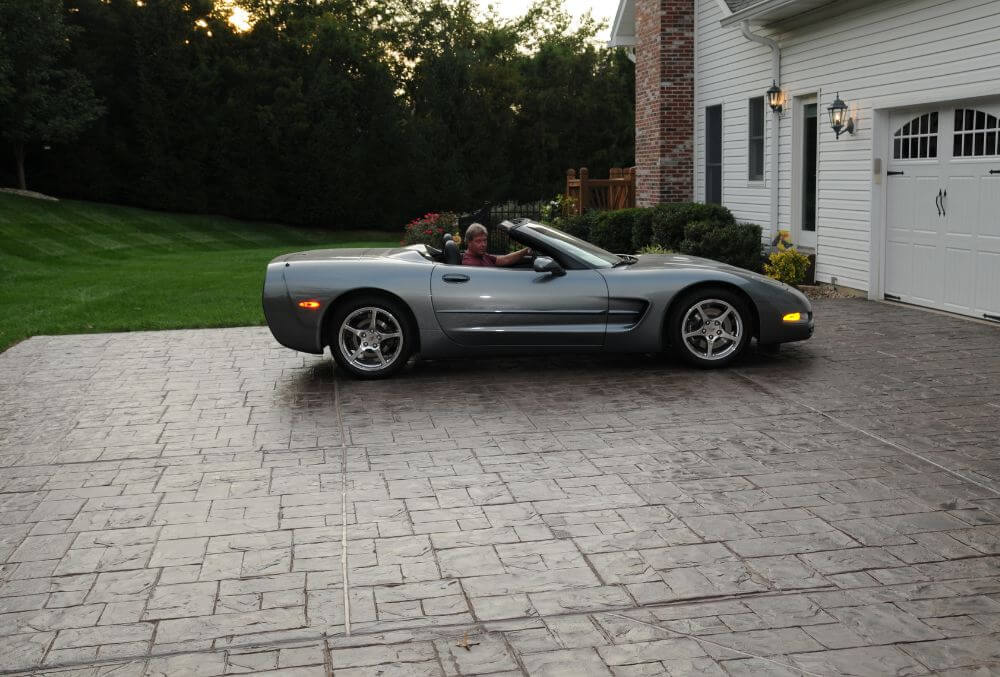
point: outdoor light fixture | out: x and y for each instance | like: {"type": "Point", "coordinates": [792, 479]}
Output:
{"type": "Point", "coordinates": [839, 119]}
{"type": "Point", "coordinates": [774, 97]}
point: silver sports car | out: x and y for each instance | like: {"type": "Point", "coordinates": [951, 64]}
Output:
{"type": "Point", "coordinates": [377, 307]}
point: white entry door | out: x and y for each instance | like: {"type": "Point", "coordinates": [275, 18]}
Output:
{"type": "Point", "coordinates": [943, 208]}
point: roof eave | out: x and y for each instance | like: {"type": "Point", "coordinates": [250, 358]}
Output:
{"type": "Point", "coordinates": [756, 11]}
{"type": "Point", "coordinates": [623, 41]}
{"type": "Point", "coordinates": [623, 35]}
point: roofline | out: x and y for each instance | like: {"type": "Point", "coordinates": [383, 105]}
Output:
{"type": "Point", "coordinates": [621, 42]}
{"type": "Point", "coordinates": [616, 26]}
{"type": "Point", "coordinates": [755, 10]}
{"type": "Point", "coordinates": [724, 8]}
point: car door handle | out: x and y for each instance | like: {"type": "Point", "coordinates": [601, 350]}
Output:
{"type": "Point", "coordinates": [937, 202]}
{"type": "Point", "coordinates": [455, 277]}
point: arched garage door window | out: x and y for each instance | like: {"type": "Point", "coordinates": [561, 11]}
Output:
{"type": "Point", "coordinates": [917, 139]}
{"type": "Point", "coordinates": [975, 134]}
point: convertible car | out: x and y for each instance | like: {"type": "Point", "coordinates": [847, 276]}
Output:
{"type": "Point", "coordinates": [375, 308]}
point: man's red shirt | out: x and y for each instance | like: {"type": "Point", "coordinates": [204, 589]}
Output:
{"type": "Point", "coordinates": [471, 259]}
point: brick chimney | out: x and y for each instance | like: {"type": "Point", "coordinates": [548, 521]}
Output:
{"type": "Point", "coordinates": [664, 101]}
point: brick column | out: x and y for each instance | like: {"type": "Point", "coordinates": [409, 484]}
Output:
{"type": "Point", "coordinates": [664, 101]}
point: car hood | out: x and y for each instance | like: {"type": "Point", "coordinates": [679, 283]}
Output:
{"type": "Point", "coordinates": [680, 261]}
{"type": "Point", "coordinates": [685, 262]}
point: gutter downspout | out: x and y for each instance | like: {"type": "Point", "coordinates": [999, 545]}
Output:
{"type": "Point", "coordinates": [776, 76]}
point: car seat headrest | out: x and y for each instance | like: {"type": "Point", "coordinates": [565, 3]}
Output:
{"type": "Point", "coordinates": [451, 252]}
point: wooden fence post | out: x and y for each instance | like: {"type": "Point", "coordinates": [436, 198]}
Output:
{"type": "Point", "coordinates": [584, 190]}
{"type": "Point", "coordinates": [570, 179]}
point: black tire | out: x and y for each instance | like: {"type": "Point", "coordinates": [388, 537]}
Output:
{"type": "Point", "coordinates": [732, 333]}
{"type": "Point", "coordinates": [349, 346]}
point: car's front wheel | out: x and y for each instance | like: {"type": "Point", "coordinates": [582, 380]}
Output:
{"type": "Point", "coordinates": [372, 337]}
{"type": "Point", "coordinates": [710, 327]}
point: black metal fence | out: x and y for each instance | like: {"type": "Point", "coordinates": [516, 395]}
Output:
{"type": "Point", "coordinates": [490, 215]}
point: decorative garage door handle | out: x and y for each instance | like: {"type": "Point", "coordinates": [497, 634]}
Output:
{"type": "Point", "coordinates": [455, 277]}
{"type": "Point", "coordinates": [894, 173]}
{"type": "Point", "coordinates": [937, 202]}
{"type": "Point", "coordinates": [995, 171]}
{"type": "Point", "coordinates": [943, 197]}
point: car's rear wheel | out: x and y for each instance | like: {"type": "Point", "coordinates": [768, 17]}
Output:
{"type": "Point", "coordinates": [372, 337]}
{"type": "Point", "coordinates": [710, 327]}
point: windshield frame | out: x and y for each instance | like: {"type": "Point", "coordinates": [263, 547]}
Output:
{"type": "Point", "coordinates": [569, 247]}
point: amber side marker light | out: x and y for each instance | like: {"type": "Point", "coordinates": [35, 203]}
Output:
{"type": "Point", "coordinates": [309, 305]}
{"type": "Point", "coordinates": [790, 317]}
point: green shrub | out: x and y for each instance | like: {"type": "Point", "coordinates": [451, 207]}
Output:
{"type": "Point", "coordinates": [578, 226]}
{"type": "Point", "coordinates": [788, 266]}
{"type": "Point", "coordinates": [737, 244]}
{"type": "Point", "coordinates": [654, 249]}
{"type": "Point", "coordinates": [613, 230]}
{"type": "Point", "coordinates": [669, 221]}
{"type": "Point", "coordinates": [642, 228]}
{"type": "Point", "coordinates": [553, 210]}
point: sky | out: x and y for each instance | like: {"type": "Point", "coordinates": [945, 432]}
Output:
{"type": "Point", "coordinates": [602, 9]}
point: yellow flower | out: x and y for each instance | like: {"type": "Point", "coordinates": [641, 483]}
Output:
{"type": "Point", "coordinates": [458, 239]}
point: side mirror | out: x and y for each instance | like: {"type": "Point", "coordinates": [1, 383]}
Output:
{"type": "Point", "coordinates": [545, 264]}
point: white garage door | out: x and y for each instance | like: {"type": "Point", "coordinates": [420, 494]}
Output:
{"type": "Point", "coordinates": [943, 209]}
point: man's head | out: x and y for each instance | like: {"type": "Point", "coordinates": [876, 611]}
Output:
{"type": "Point", "coordinates": [475, 239]}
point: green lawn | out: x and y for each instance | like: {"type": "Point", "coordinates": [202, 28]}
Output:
{"type": "Point", "coordinates": [73, 267]}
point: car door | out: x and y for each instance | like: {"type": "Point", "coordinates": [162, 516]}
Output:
{"type": "Point", "coordinates": [508, 307]}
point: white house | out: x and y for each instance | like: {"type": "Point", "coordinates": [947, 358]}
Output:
{"type": "Point", "coordinates": [905, 203]}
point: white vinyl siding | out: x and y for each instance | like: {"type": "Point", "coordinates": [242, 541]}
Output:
{"type": "Point", "coordinates": [871, 53]}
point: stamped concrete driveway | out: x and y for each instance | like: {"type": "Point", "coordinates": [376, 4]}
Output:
{"type": "Point", "coordinates": [206, 502]}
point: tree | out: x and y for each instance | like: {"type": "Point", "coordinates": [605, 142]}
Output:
{"type": "Point", "coordinates": [333, 113]}
{"type": "Point", "coordinates": [45, 101]}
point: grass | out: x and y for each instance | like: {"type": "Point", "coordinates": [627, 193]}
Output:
{"type": "Point", "coordinates": [76, 267]}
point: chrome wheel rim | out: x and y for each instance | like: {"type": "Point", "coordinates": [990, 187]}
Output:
{"type": "Point", "coordinates": [712, 329]}
{"type": "Point", "coordinates": [371, 339]}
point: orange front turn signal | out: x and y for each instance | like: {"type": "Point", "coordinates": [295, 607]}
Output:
{"type": "Point", "coordinates": [311, 304]}
{"type": "Point", "coordinates": [792, 317]}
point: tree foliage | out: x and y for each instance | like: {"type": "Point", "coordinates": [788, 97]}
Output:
{"type": "Point", "coordinates": [337, 113]}
{"type": "Point", "coordinates": [41, 100]}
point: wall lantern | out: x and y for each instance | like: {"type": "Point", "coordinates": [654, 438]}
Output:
{"type": "Point", "coordinates": [839, 119]}
{"type": "Point", "coordinates": [774, 97]}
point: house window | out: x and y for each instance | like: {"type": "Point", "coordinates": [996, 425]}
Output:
{"type": "Point", "coordinates": [917, 139]}
{"type": "Point", "coordinates": [976, 134]}
{"type": "Point", "coordinates": [755, 139]}
{"type": "Point", "coordinates": [713, 154]}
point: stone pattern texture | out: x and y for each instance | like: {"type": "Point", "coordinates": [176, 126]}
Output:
{"type": "Point", "coordinates": [664, 101]}
{"type": "Point", "coordinates": [172, 503]}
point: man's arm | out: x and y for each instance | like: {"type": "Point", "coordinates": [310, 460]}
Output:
{"type": "Point", "coordinates": [513, 257]}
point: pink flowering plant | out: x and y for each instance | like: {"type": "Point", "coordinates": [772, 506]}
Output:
{"type": "Point", "coordinates": [430, 228]}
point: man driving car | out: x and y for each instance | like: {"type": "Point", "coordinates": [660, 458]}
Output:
{"type": "Point", "coordinates": [475, 255]}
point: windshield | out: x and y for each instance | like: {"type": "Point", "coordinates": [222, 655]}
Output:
{"type": "Point", "coordinates": [574, 246]}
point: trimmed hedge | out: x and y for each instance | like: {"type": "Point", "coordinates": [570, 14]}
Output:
{"type": "Point", "coordinates": [578, 226]}
{"type": "Point", "coordinates": [613, 230]}
{"type": "Point", "coordinates": [642, 229]}
{"type": "Point", "coordinates": [737, 244]}
{"type": "Point", "coordinates": [705, 230]}
{"type": "Point", "coordinates": [670, 220]}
